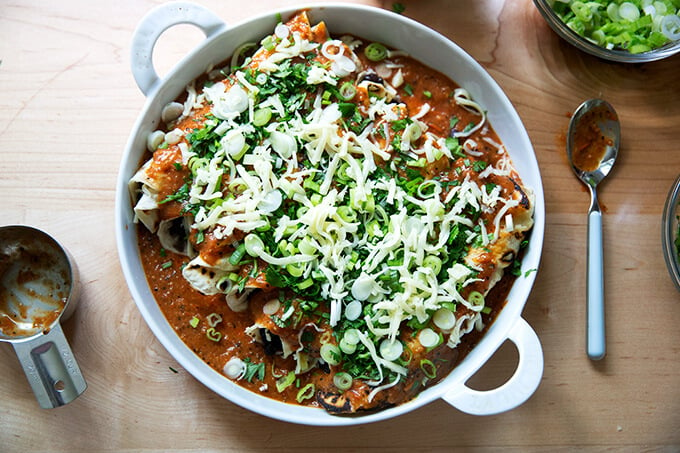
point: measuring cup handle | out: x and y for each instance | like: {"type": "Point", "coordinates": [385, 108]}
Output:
{"type": "Point", "coordinates": [51, 369]}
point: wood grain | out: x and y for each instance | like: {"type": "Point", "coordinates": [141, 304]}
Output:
{"type": "Point", "coordinates": [67, 107]}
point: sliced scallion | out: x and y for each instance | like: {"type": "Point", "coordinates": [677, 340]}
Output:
{"type": "Point", "coordinates": [428, 338]}
{"type": "Point", "coordinates": [347, 91]}
{"type": "Point", "coordinates": [433, 262]}
{"type": "Point", "coordinates": [238, 254]}
{"type": "Point", "coordinates": [353, 310]}
{"type": "Point", "coordinates": [305, 393]}
{"type": "Point", "coordinates": [253, 245]}
{"type": "Point", "coordinates": [284, 382]}
{"type": "Point", "coordinates": [346, 347]}
{"type": "Point", "coordinates": [375, 51]}
{"type": "Point", "coordinates": [343, 381]}
{"type": "Point", "coordinates": [444, 319]}
{"type": "Point", "coordinates": [262, 117]}
{"type": "Point", "coordinates": [330, 353]}
{"type": "Point", "coordinates": [391, 349]}
{"type": "Point", "coordinates": [428, 368]}
{"type": "Point", "coordinates": [476, 299]}
{"type": "Point", "coordinates": [213, 334]}
{"type": "Point", "coordinates": [214, 319]}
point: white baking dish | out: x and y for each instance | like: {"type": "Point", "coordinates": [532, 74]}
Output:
{"type": "Point", "coordinates": [430, 48]}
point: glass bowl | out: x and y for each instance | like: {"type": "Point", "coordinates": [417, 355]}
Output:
{"type": "Point", "coordinates": [621, 56]}
{"type": "Point", "coordinates": [669, 232]}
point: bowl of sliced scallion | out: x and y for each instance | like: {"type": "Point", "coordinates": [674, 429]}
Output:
{"type": "Point", "coordinates": [627, 31]}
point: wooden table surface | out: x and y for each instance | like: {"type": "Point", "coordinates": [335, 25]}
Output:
{"type": "Point", "coordinates": [67, 105]}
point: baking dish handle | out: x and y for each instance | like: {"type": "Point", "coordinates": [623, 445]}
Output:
{"type": "Point", "coordinates": [154, 24]}
{"type": "Point", "coordinates": [517, 389]}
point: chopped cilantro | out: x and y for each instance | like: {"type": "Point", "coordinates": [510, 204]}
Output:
{"type": "Point", "coordinates": [479, 165]}
{"type": "Point", "coordinates": [253, 370]}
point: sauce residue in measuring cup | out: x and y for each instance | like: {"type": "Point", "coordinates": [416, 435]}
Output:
{"type": "Point", "coordinates": [34, 288]}
{"type": "Point", "coordinates": [590, 144]}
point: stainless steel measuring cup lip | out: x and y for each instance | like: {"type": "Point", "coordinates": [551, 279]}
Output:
{"type": "Point", "coordinates": [44, 353]}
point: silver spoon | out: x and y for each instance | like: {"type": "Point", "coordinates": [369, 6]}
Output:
{"type": "Point", "coordinates": [592, 146]}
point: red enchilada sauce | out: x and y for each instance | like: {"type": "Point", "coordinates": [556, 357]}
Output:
{"type": "Point", "coordinates": [590, 144]}
{"type": "Point", "coordinates": [180, 303]}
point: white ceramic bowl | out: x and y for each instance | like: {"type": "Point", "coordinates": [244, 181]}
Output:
{"type": "Point", "coordinates": [430, 48]}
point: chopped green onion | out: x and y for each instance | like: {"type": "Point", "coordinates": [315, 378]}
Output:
{"type": "Point", "coordinates": [347, 91]}
{"type": "Point", "coordinates": [428, 189]}
{"type": "Point", "coordinates": [476, 299]}
{"type": "Point", "coordinates": [253, 245]}
{"type": "Point", "coordinates": [444, 319]}
{"type": "Point", "coordinates": [284, 382]}
{"type": "Point", "coordinates": [375, 51]}
{"type": "Point", "coordinates": [346, 347]}
{"type": "Point", "coordinates": [433, 262]}
{"type": "Point", "coordinates": [391, 349]}
{"type": "Point", "coordinates": [310, 184]}
{"type": "Point", "coordinates": [238, 254]}
{"type": "Point", "coordinates": [351, 336]}
{"type": "Point", "coordinates": [347, 214]}
{"type": "Point", "coordinates": [330, 353]}
{"type": "Point", "coordinates": [269, 43]}
{"type": "Point", "coordinates": [305, 393]}
{"type": "Point", "coordinates": [428, 368]}
{"type": "Point", "coordinates": [316, 199]}
{"type": "Point", "coordinates": [296, 270]}
{"type": "Point", "coordinates": [305, 246]}
{"type": "Point", "coordinates": [343, 381]}
{"type": "Point", "coordinates": [262, 117]}
{"type": "Point", "coordinates": [166, 265]}
{"type": "Point", "coordinates": [428, 338]}
{"type": "Point", "coordinates": [213, 334]}
{"type": "Point", "coordinates": [353, 310]}
{"type": "Point", "coordinates": [214, 319]}
{"type": "Point", "coordinates": [627, 11]}
{"type": "Point", "coordinates": [194, 322]}
{"type": "Point", "coordinates": [305, 284]}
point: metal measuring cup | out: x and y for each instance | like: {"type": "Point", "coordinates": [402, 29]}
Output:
{"type": "Point", "coordinates": [38, 288]}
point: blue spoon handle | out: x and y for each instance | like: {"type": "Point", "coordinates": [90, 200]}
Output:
{"type": "Point", "coordinates": [595, 329]}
